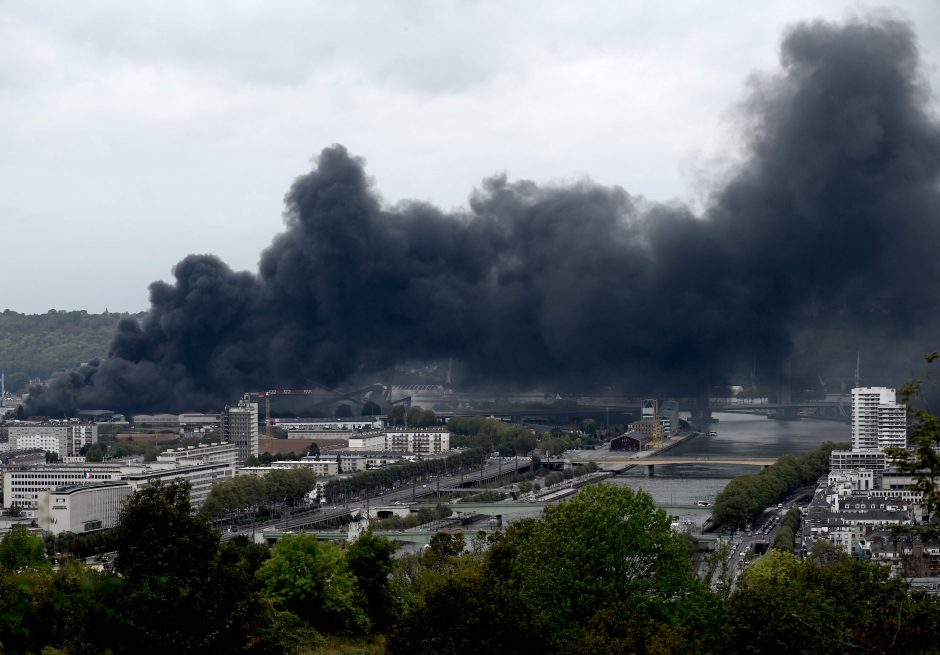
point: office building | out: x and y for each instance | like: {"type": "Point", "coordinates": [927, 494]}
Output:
{"type": "Point", "coordinates": [66, 440]}
{"type": "Point", "coordinates": [240, 427]}
{"type": "Point", "coordinates": [24, 486]}
{"type": "Point", "coordinates": [82, 508]}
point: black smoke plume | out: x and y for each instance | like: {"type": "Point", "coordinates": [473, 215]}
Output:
{"type": "Point", "coordinates": [825, 236]}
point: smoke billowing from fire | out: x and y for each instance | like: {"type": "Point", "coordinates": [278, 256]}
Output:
{"type": "Point", "coordinates": [829, 227]}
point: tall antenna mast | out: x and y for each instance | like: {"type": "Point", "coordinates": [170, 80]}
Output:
{"type": "Point", "coordinates": [858, 360]}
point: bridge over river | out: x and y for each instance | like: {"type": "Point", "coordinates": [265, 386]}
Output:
{"type": "Point", "coordinates": [651, 462]}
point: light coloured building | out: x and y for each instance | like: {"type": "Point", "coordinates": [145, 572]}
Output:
{"type": "Point", "coordinates": [24, 485]}
{"type": "Point", "coordinates": [225, 453]}
{"type": "Point", "coordinates": [82, 508]}
{"type": "Point", "coordinates": [368, 441]}
{"type": "Point", "coordinates": [852, 480]}
{"type": "Point", "coordinates": [840, 460]}
{"type": "Point", "coordinates": [72, 437]}
{"type": "Point", "coordinates": [201, 477]}
{"type": "Point", "coordinates": [341, 424]}
{"type": "Point", "coordinates": [329, 467]}
{"type": "Point", "coordinates": [420, 441]}
{"type": "Point", "coordinates": [240, 426]}
{"type": "Point", "coordinates": [46, 442]}
{"type": "Point", "coordinates": [320, 467]}
{"type": "Point", "coordinates": [195, 419]}
{"type": "Point", "coordinates": [157, 421]}
{"type": "Point", "coordinates": [878, 420]}
{"type": "Point", "coordinates": [354, 462]}
{"type": "Point", "coordinates": [194, 423]}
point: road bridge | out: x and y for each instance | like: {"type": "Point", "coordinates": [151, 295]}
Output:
{"type": "Point", "coordinates": [651, 462]}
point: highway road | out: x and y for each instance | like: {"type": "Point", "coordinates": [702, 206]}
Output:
{"type": "Point", "coordinates": [403, 495]}
{"type": "Point", "coordinates": [763, 531]}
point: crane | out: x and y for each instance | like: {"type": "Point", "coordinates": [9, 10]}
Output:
{"type": "Point", "coordinates": [332, 396]}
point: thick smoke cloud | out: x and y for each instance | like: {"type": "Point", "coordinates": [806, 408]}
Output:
{"type": "Point", "coordinates": [826, 233]}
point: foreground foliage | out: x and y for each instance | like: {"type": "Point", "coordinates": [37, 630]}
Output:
{"type": "Point", "coordinates": [601, 573]}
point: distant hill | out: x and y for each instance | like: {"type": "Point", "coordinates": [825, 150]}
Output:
{"type": "Point", "coordinates": [36, 345]}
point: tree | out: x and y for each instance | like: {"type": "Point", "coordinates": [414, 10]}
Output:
{"type": "Point", "coordinates": [94, 452]}
{"type": "Point", "coordinates": [463, 612]}
{"type": "Point", "coordinates": [923, 461]}
{"type": "Point", "coordinates": [443, 548]}
{"type": "Point", "coordinates": [607, 544]}
{"type": "Point", "coordinates": [181, 596]}
{"type": "Point", "coordinates": [785, 605]}
{"type": "Point", "coordinates": [396, 415]}
{"type": "Point", "coordinates": [313, 450]}
{"type": "Point", "coordinates": [311, 579]}
{"type": "Point", "coordinates": [369, 559]}
{"type": "Point", "coordinates": [158, 537]}
{"type": "Point", "coordinates": [21, 549]}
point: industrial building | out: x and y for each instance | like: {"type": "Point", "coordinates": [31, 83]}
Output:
{"type": "Point", "coordinates": [632, 440]}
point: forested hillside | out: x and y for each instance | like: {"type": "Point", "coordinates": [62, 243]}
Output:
{"type": "Point", "coordinates": [35, 345]}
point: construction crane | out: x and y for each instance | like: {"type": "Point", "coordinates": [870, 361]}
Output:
{"type": "Point", "coordinates": [332, 396]}
{"type": "Point", "coordinates": [269, 420]}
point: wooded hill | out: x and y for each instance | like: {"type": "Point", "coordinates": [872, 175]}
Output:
{"type": "Point", "coordinates": [36, 345]}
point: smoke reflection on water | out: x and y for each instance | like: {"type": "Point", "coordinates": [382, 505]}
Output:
{"type": "Point", "coordinates": [739, 435]}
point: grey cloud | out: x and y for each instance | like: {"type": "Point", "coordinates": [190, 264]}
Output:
{"type": "Point", "coordinates": [828, 228]}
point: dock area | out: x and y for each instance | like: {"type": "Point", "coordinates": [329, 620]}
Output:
{"type": "Point", "coordinates": [613, 460]}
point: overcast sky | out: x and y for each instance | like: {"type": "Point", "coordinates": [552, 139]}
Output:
{"type": "Point", "coordinates": [132, 134]}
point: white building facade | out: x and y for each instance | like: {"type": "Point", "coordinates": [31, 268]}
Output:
{"type": "Point", "coordinates": [82, 508]}
{"type": "Point", "coordinates": [878, 420]}
{"type": "Point", "coordinates": [49, 443]}
{"type": "Point", "coordinates": [66, 440]}
{"type": "Point", "coordinates": [224, 453]}
{"type": "Point", "coordinates": [23, 486]}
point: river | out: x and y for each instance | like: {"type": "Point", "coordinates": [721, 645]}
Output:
{"type": "Point", "coordinates": [739, 435]}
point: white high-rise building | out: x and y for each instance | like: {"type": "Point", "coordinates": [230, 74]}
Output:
{"type": "Point", "coordinates": [240, 427]}
{"type": "Point", "coordinates": [878, 420]}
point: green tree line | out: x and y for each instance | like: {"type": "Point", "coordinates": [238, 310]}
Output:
{"type": "Point", "coordinates": [746, 496]}
{"type": "Point", "coordinates": [491, 435]}
{"type": "Point", "coordinates": [389, 477]}
{"type": "Point", "coordinates": [786, 533]}
{"type": "Point", "coordinates": [246, 493]}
